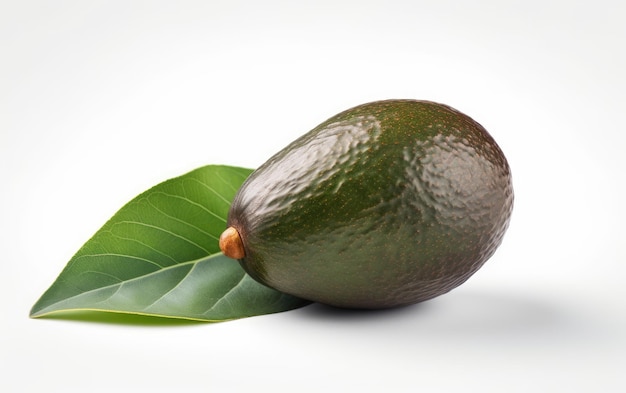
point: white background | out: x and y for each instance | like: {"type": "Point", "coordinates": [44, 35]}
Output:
{"type": "Point", "coordinates": [100, 100]}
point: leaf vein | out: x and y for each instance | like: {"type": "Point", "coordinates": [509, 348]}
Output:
{"type": "Point", "coordinates": [183, 221]}
{"type": "Point", "coordinates": [220, 196]}
{"type": "Point", "coordinates": [171, 289]}
{"type": "Point", "coordinates": [110, 254]}
{"type": "Point", "coordinates": [166, 231]}
{"type": "Point", "coordinates": [224, 297]}
{"type": "Point", "coordinates": [145, 245]}
{"type": "Point", "coordinates": [229, 184]}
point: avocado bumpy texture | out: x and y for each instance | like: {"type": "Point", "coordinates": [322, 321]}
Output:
{"type": "Point", "coordinates": [386, 204]}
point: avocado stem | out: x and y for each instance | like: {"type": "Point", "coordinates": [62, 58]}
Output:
{"type": "Point", "coordinates": [231, 244]}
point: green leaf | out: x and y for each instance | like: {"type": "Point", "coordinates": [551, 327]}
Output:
{"type": "Point", "coordinates": [159, 256]}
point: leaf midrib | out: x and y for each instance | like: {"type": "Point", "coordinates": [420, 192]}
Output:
{"type": "Point", "coordinates": [119, 284]}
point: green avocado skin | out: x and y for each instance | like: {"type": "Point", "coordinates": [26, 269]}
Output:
{"type": "Point", "coordinates": [386, 204]}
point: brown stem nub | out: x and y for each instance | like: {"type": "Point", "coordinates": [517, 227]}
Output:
{"type": "Point", "coordinates": [231, 244]}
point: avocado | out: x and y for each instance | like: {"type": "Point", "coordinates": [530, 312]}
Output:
{"type": "Point", "coordinates": [386, 204]}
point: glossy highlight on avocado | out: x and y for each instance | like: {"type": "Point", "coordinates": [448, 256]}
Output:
{"type": "Point", "coordinates": [386, 204]}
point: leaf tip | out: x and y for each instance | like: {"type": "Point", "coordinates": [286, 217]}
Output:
{"type": "Point", "coordinates": [33, 314]}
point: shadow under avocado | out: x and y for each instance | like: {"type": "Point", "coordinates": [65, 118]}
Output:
{"type": "Point", "coordinates": [462, 313]}
{"type": "Point", "coordinates": [323, 311]}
